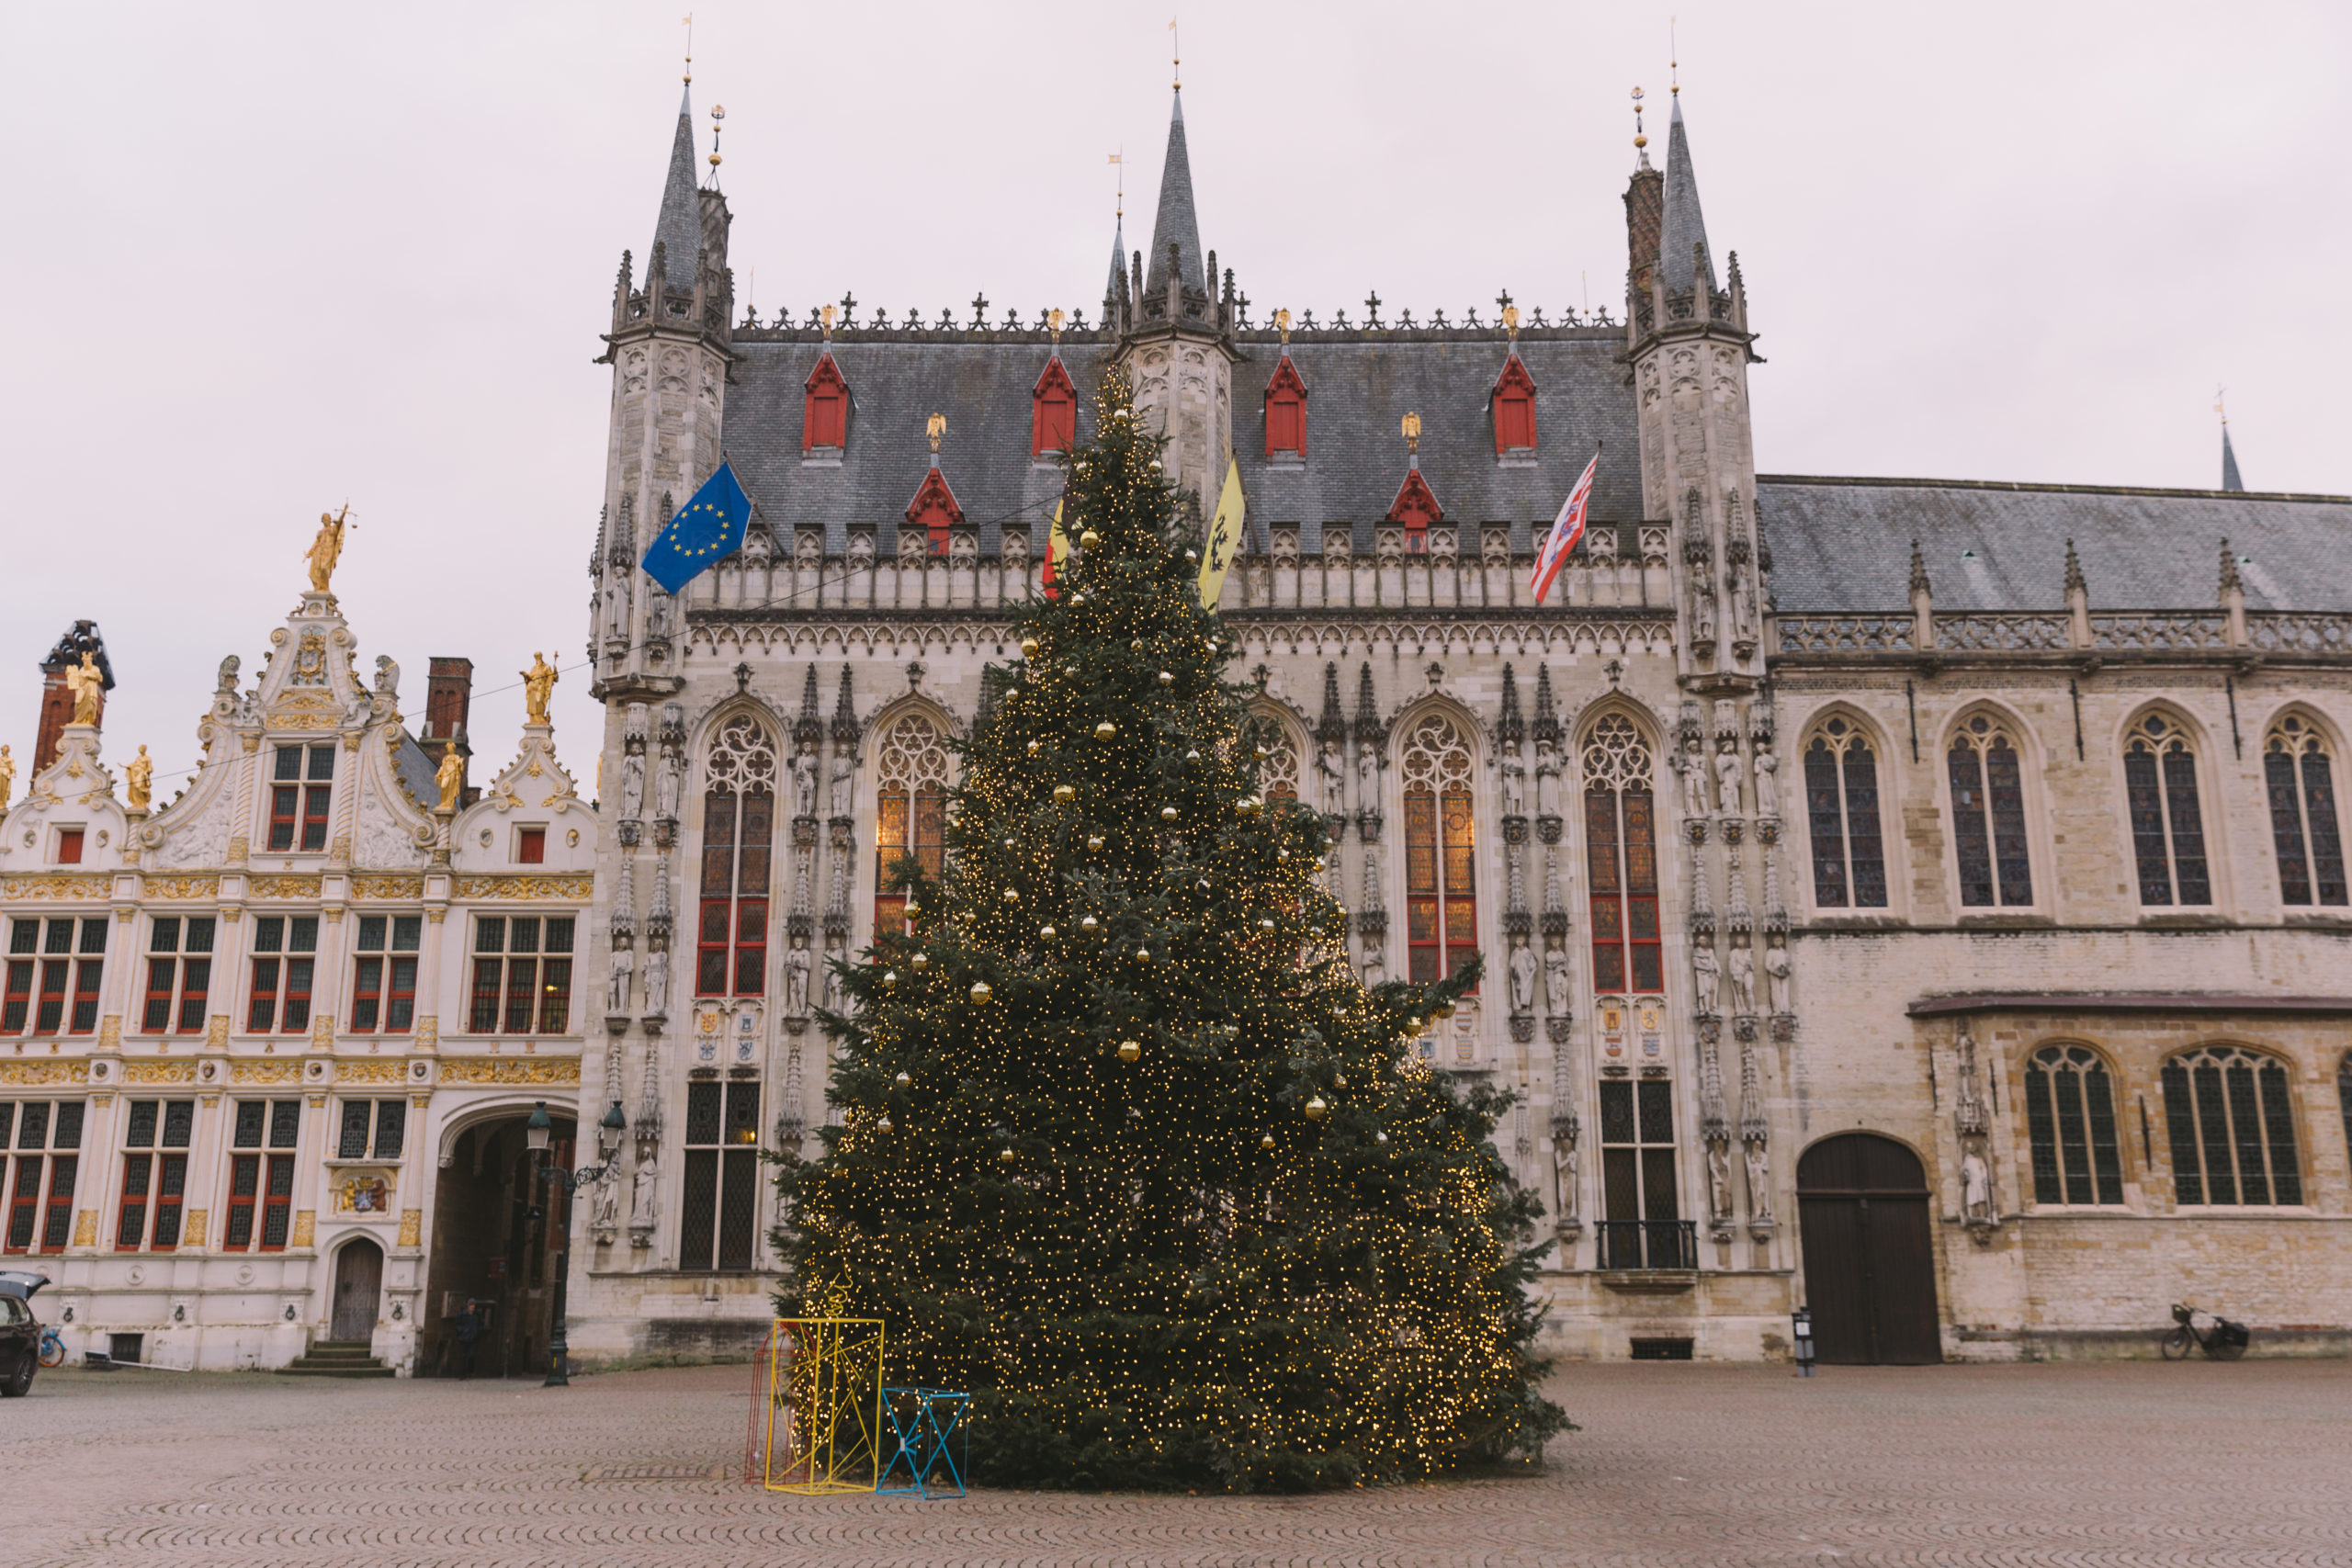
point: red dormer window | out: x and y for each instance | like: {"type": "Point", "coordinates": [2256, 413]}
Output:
{"type": "Point", "coordinates": [1416, 507]}
{"type": "Point", "coordinates": [1513, 403]}
{"type": "Point", "coordinates": [1052, 419]}
{"type": "Point", "coordinates": [824, 418]}
{"type": "Point", "coordinates": [934, 512]}
{"type": "Point", "coordinates": [1287, 412]}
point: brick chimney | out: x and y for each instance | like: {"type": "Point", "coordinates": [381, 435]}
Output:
{"type": "Point", "coordinates": [448, 697]}
{"type": "Point", "coordinates": [57, 697]}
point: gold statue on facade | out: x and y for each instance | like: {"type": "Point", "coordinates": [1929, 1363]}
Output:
{"type": "Point", "coordinates": [538, 684]}
{"type": "Point", "coordinates": [86, 683]}
{"type": "Point", "coordinates": [139, 777]}
{"type": "Point", "coordinates": [8, 775]}
{"type": "Point", "coordinates": [327, 547]}
{"type": "Point", "coordinates": [450, 776]}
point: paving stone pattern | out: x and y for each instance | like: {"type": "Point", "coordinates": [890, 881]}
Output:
{"type": "Point", "coordinates": [2098, 1464]}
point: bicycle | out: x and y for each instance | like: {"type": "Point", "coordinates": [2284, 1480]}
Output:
{"type": "Point", "coordinates": [2225, 1341]}
{"type": "Point", "coordinates": [53, 1348]}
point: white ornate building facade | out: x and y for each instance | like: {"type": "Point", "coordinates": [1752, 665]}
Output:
{"type": "Point", "coordinates": [1919, 902]}
{"type": "Point", "coordinates": [266, 1051]}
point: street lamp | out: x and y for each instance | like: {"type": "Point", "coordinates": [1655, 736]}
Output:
{"type": "Point", "coordinates": [536, 1133]}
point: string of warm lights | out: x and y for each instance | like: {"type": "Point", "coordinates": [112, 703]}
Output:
{"type": "Point", "coordinates": [1124, 1148]}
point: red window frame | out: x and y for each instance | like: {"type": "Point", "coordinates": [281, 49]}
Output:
{"type": "Point", "coordinates": [244, 1185]}
{"type": "Point", "coordinates": [178, 987]}
{"type": "Point", "coordinates": [1620, 854]}
{"type": "Point", "coordinates": [1286, 410]}
{"type": "Point", "coordinates": [284, 805]}
{"type": "Point", "coordinates": [69, 846]}
{"type": "Point", "coordinates": [17, 1011]}
{"type": "Point", "coordinates": [530, 846]}
{"type": "Point", "coordinates": [1441, 883]}
{"type": "Point", "coordinates": [1512, 403]}
{"type": "Point", "coordinates": [523, 974]}
{"type": "Point", "coordinates": [87, 974]}
{"type": "Point", "coordinates": [905, 824]}
{"type": "Point", "coordinates": [1053, 416]}
{"type": "Point", "coordinates": [55, 979]}
{"type": "Point", "coordinates": [824, 411]}
{"type": "Point", "coordinates": [316, 801]}
{"type": "Point", "coordinates": [261, 1185]}
{"type": "Point", "coordinates": [738, 856]}
{"type": "Point", "coordinates": [23, 1234]}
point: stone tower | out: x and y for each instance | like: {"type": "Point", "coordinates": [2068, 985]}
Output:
{"type": "Point", "coordinates": [1175, 329]}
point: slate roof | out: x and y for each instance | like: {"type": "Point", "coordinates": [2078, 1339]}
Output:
{"type": "Point", "coordinates": [679, 226]}
{"type": "Point", "coordinates": [1360, 385]}
{"type": "Point", "coordinates": [1684, 226]}
{"type": "Point", "coordinates": [1176, 224]}
{"type": "Point", "coordinates": [1844, 545]}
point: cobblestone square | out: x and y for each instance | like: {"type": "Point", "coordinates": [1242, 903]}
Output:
{"type": "Point", "coordinates": [2108, 1464]}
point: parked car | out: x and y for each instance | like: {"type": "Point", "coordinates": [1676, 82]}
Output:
{"type": "Point", "coordinates": [19, 1333]}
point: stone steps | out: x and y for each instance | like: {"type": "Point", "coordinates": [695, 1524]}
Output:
{"type": "Point", "coordinates": [336, 1358]}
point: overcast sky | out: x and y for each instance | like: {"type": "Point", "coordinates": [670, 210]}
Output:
{"type": "Point", "coordinates": [266, 259]}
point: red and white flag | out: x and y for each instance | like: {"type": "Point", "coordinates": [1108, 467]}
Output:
{"type": "Point", "coordinates": [1566, 529]}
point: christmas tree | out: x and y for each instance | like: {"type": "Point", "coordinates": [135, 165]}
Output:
{"type": "Point", "coordinates": [1125, 1149]}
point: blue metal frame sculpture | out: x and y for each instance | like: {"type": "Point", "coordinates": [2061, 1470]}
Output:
{"type": "Point", "coordinates": [928, 1438]}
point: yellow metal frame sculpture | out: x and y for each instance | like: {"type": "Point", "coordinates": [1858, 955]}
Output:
{"type": "Point", "coordinates": [823, 1422]}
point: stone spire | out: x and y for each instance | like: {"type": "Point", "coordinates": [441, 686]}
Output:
{"type": "Point", "coordinates": [1510, 727]}
{"type": "Point", "coordinates": [1116, 288]}
{"type": "Point", "coordinates": [1334, 724]}
{"type": "Point", "coordinates": [2230, 480]}
{"type": "Point", "coordinates": [1682, 232]}
{"type": "Point", "coordinates": [2075, 579]}
{"type": "Point", "coordinates": [678, 231]}
{"type": "Point", "coordinates": [2229, 580]}
{"type": "Point", "coordinates": [1176, 224]}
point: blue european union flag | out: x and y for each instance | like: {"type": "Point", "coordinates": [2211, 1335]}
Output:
{"type": "Point", "coordinates": [709, 531]}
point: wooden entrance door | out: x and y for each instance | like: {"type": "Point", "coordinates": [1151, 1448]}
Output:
{"type": "Point", "coordinates": [359, 1280]}
{"type": "Point", "coordinates": [1869, 1269]}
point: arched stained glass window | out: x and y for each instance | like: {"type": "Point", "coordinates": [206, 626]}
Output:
{"type": "Point", "coordinates": [2300, 781]}
{"type": "Point", "coordinates": [2167, 832]}
{"type": "Point", "coordinates": [1621, 858]}
{"type": "Point", "coordinates": [2231, 1128]}
{"type": "Point", "coordinates": [1441, 865]}
{"type": "Point", "coordinates": [1988, 815]}
{"type": "Point", "coordinates": [1278, 770]}
{"type": "Point", "coordinates": [909, 810]}
{"type": "Point", "coordinates": [738, 850]}
{"type": "Point", "coordinates": [1841, 809]}
{"type": "Point", "coordinates": [2070, 1110]}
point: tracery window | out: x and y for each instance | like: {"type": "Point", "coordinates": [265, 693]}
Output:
{"type": "Point", "coordinates": [1440, 868]}
{"type": "Point", "coordinates": [909, 810]}
{"type": "Point", "coordinates": [1278, 770]}
{"type": "Point", "coordinates": [2167, 833]}
{"type": "Point", "coordinates": [2070, 1110]}
{"type": "Point", "coordinates": [1988, 815]}
{"type": "Point", "coordinates": [2300, 781]}
{"type": "Point", "coordinates": [2231, 1128]}
{"type": "Point", "coordinates": [1841, 808]}
{"type": "Point", "coordinates": [1621, 857]}
{"type": "Point", "coordinates": [738, 852]}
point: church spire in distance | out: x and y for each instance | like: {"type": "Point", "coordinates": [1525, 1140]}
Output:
{"type": "Point", "coordinates": [1684, 227]}
{"type": "Point", "coordinates": [678, 230]}
{"type": "Point", "coordinates": [2230, 480]}
{"type": "Point", "coordinates": [1176, 222]}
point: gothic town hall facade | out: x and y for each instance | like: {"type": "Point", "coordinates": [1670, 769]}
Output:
{"type": "Point", "coordinates": [1921, 902]}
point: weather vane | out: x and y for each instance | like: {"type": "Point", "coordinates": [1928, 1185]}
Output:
{"type": "Point", "coordinates": [687, 21]}
{"type": "Point", "coordinates": [1176, 53]}
{"type": "Point", "coordinates": [1639, 139]}
{"type": "Point", "coordinates": [2221, 404]}
{"type": "Point", "coordinates": [718, 113]}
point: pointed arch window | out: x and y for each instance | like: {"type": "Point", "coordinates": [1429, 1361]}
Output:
{"type": "Point", "coordinates": [738, 852]}
{"type": "Point", "coordinates": [1053, 411]}
{"type": "Point", "coordinates": [1278, 769]}
{"type": "Point", "coordinates": [910, 810]}
{"type": "Point", "coordinates": [2300, 778]}
{"type": "Point", "coordinates": [2231, 1128]}
{"type": "Point", "coordinates": [1287, 412]}
{"type": "Point", "coordinates": [2069, 1110]}
{"type": "Point", "coordinates": [1416, 507]}
{"type": "Point", "coordinates": [824, 413]}
{"type": "Point", "coordinates": [1988, 815]}
{"type": "Point", "coordinates": [1441, 863]}
{"type": "Point", "coordinates": [1841, 809]}
{"type": "Point", "coordinates": [1513, 404]}
{"type": "Point", "coordinates": [2167, 831]}
{"type": "Point", "coordinates": [1621, 857]}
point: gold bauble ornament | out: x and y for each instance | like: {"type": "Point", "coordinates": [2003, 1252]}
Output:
{"type": "Point", "coordinates": [889, 979]}
{"type": "Point", "coordinates": [1035, 747]}
{"type": "Point", "coordinates": [1155, 465]}
{"type": "Point", "coordinates": [919, 961]}
{"type": "Point", "coordinates": [1192, 558]}
{"type": "Point", "coordinates": [1094, 843]}
{"type": "Point", "coordinates": [1129, 1050]}
{"type": "Point", "coordinates": [884, 1126]}
{"type": "Point", "coordinates": [1134, 645]}
{"type": "Point", "coordinates": [1267, 1142]}
{"type": "Point", "coordinates": [1316, 1108]}
{"type": "Point", "coordinates": [1168, 814]}
{"type": "Point", "coordinates": [902, 1080]}
{"type": "Point", "coordinates": [981, 992]}
{"type": "Point", "coordinates": [1414, 1024]}
{"type": "Point", "coordinates": [1078, 597]}
{"type": "Point", "coordinates": [1143, 956]}
{"type": "Point", "coordinates": [1380, 1137]}
{"type": "Point", "coordinates": [1089, 539]}
{"type": "Point", "coordinates": [1012, 895]}
{"type": "Point", "coordinates": [1442, 1011]}
{"type": "Point", "coordinates": [1266, 925]}
{"type": "Point", "coordinates": [1105, 731]}
{"type": "Point", "coordinates": [1192, 756]}
{"type": "Point", "coordinates": [1029, 645]}
{"type": "Point", "coordinates": [1090, 925]}
{"type": "Point", "coordinates": [1167, 678]}
{"type": "Point", "coordinates": [1340, 1081]}
{"type": "Point", "coordinates": [1005, 1156]}
{"type": "Point", "coordinates": [1046, 934]}
{"type": "Point", "coordinates": [1065, 794]}
{"type": "Point", "coordinates": [1282, 854]}
{"type": "Point", "coordinates": [1263, 753]}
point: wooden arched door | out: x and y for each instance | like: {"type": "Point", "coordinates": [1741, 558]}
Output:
{"type": "Point", "coordinates": [358, 1284]}
{"type": "Point", "coordinates": [1869, 1265]}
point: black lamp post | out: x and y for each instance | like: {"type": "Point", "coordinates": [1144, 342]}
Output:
{"type": "Point", "coordinates": [1800, 1331]}
{"type": "Point", "coordinates": [608, 1142]}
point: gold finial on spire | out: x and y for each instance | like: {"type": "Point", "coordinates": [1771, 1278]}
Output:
{"type": "Point", "coordinates": [2221, 404]}
{"type": "Point", "coordinates": [1282, 324]}
{"type": "Point", "coordinates": [1511, 322]}
{"type": "Point", "coordinates": [687, 22]}
{"type": "Point", "coordinates": [935, 427]}
{"type": "Point", "coordinates": [1412, 428]}
{"type": "Point", "coordinates": [718, 113]}
{"type": "Point", "coordinates": [1176, 53]}
{"type": "Point", "coordinates": [1640, 139]}
{"type": "Point", "coordinates": [826, 315]}
{"type": "Point", "coordinates": [1119, 158]}
{"type": "Point", "coordinates": [1673, 59]}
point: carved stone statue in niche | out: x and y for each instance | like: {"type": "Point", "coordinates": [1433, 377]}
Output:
{"type": "Point", "coordinates": [1729, 796]}
{"type": "Point", "coordinates": [1743, 608]}
{"type": "Point", "coordinates": [1776, 972]}
{"type": "Point", "coordinates": [1692, 765]}
{"type": "Point", "coordinates": [645, 1189]}
{"type": "Point", "coordinates": [1556, 981]}
{"type": "Point", "coordinates": [665, 788]}
{"type": "Point", "coordinates": [657, 982]}
{"type": "Point", "coordinates": [1743, 977]}
{"type": "Point", "coordinates": [797, 964]}
{"type": "Point", "coordinates": [632, 784]}
{"type": "Point", "coordinates": [618, 975]}
{"type": "Point", "coordinates": [1702, 612]}
{"type": "Point", "coordinates": [1706, 976]}
{"type": "Point", "coordinates": [1330, 770]}
{"type": "Point", "coordinates": [1547, 779]}
{"type": "Point", "coordinates": [1759, 1182]}
{"type": "Point", "coordinates": [1514, 773]}
{"type": "Point", "coordinates": [606, 1214]}
{"type": "Point", "coordinates": [803, 767]}
{"type": "Point", "coordinates": [1718, 1179]}
{"type": "Point", "coordinates": [844, 777]}
{"type": "Point", "coordinates": [657, 613]}
{"type": "Point", "coordinates": [1522, 979]}
{"type": "Point", "coordinates": [1564, 1173]}
{"type": "Point", "coordinates": [1372, 969]}
{"type": "Point", "coordinates": [1368, 779]}
{"type": "Point", "coordinates": [836, 952]}
{"type": "Point", "coordinates": [1768, 784]}
{"type": "Point", "coordinates": [1975, 1185]}
{"type": "Point", "coordinates": [616, 607]}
